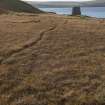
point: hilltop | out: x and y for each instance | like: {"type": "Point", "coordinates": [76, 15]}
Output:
{"type": "Point", "coordinates": [17, 6]}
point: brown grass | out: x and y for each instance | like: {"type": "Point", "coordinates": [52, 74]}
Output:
{"type": "Point", "coordinates": [51, 60]}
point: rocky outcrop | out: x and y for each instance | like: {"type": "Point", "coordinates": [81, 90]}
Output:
{"type": "Point", "coordinates": [76, 11]}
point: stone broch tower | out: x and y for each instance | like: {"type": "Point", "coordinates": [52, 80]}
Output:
{"type": "Point", "coordinates": [76, 11]}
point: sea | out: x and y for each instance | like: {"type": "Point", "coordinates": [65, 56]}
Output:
{"type": "Point", "coordinates": [98, 12]}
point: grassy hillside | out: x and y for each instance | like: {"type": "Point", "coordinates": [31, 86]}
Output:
{"type": "Point", "coordinates": [18, 6]}
{"type": "Point", "coordinates": [52, 60]}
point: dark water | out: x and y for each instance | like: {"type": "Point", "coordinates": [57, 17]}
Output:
{"type": "Point", "coordinates": [98, 12]}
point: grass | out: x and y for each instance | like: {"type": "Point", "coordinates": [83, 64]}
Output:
{"type": "Point", "coordinates": [81, 16]}
{"type": "Point", "coordinates": [18, 6]}
{"type": "Point", "coordinates": [65, 67]}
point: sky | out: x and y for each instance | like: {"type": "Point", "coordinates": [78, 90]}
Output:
{"type": "Point", "coordinates": [59, 0]}
{"type": "Point", "coordinates": [66, 3]}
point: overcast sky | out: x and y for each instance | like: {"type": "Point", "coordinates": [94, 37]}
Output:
{"type": "Point", "coordinates": [66, 0]}
{"type": "Point", "coordinates": [59, 0]}
{"type": "Point", "coordinates": [65, 3]}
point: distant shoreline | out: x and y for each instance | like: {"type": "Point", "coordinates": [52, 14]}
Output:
{"type": "Point", "coordinates": [98, 12]}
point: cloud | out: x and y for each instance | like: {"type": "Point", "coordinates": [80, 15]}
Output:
{"type": "Point", "coordinates": [59, 0]}
{"type": "Point", "coordinates": [66, 3]}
